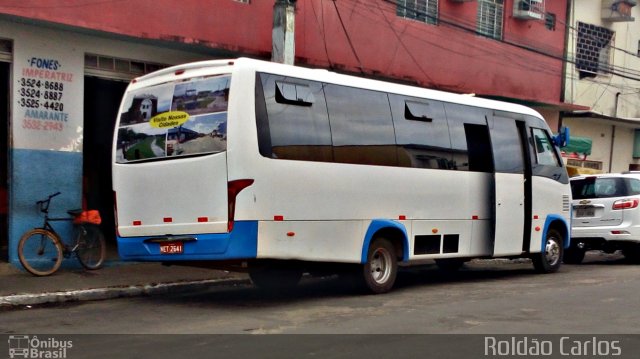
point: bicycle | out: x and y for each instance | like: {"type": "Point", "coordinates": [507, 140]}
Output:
{"type": "Point", "coordinates": [41, 249]}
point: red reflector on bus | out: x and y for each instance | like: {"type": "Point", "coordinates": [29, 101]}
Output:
{"type": "Point", "coordinates": [178, 72]}
{"type": "Point", "coordinates": [474, 217]}
{"type": "Point", "coordinates": [203, 219]}
{"type": "Point", "coordinates": [291, 234]}
{"type": "Point", "coordinates": [278, 218]}
{"type": "Point", "coordinates": [167, 219]}
{"type": "Point", "coordinates": [402, 217]}
{"type": "Point", "coordinates": [137, 223]}
{"type": "Point", "coordinates": [536, 217]}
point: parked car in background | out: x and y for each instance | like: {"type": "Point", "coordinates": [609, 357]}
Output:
{"type": "Point", "coordinates": [606, 215]}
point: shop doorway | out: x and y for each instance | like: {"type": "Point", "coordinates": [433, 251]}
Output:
{"type": "Point", "coordinates": [5, 76]}
{"type": "Point", "coordinates": [101, 102]}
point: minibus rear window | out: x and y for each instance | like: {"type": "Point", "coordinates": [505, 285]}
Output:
{"type": "Point", "coordinates": [173, 120]}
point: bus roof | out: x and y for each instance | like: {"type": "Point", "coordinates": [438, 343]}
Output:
{"type": "Point", "coordinates": [323, 75]}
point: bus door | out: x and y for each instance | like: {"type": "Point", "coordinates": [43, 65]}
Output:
{"type": "Point", "coordinates": [512, 202]}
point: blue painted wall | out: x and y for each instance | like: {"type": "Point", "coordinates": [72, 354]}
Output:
{"type": "Point", "coordinates": [35, 174]}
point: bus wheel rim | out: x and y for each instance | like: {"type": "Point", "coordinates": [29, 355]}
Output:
{"type": "Point", "coordinates": [381, 266]}
{"type": "Point", "coordinates": [552, 251]}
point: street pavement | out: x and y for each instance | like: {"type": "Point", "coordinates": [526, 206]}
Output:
{"type": "Point", "coordinates": [115, 280]}
{"type": "Point", "coordinates": [131, 279]}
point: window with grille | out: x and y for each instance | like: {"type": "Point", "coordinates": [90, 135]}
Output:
{"type": "Point", "coordinates": [489, 19]}
{"type": "Point", "coordinates": [550, 21]}
{"type": "Point", "coordinates": [126, 68]}
{"type": "Point", "coordinates": [593, 50]}
{"type": "Point", "coordinates": [421, 10]}
{"type": "Point", "coordinates": [6, 49]}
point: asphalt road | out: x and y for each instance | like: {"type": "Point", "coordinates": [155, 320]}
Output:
{"type": "Point", "coordinates": [489, 298]}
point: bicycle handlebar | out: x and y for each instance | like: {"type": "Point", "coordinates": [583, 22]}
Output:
{"type": "Point", "coordinates": [44, 204]}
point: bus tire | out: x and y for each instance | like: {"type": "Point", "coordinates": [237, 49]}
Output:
{"type": "Point", "coordinates": [274, 276]}
{"type": "Point", "coordinates": [381, 269]}
{"type": "Point", "coordinates": [550, 259]}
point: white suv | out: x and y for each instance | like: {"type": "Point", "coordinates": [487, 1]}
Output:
{"type": "Point", "coordinates": [606, 215]}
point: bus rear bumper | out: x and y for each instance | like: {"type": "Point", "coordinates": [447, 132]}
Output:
{"type": "Point", "coordinates": [241, 243]}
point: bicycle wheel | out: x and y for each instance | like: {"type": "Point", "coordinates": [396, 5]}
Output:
{"type": "Point", "coordinates": [40, 252]}
{"type": "Point", "coordinates": [91, 246]}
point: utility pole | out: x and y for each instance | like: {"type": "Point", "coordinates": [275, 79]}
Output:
{"type": "Point", "coordinates": [283, 32]}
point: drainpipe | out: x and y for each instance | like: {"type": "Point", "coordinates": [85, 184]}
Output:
{"type": "Point", "coordinates": [613, 130]}
{"type": "Point", "coordinates": [563, 84]}
{"type": "Point", "coordinates": [282, 35]}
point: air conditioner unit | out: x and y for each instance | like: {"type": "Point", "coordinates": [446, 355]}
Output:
{"type": "Point", "coordinates": [528, 9]}
{"type": "Point", "coordinates": [617, 10]}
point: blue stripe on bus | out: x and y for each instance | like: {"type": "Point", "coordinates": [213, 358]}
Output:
{"type": "Point", "coordinates": [566, 234]}
{"type": "Point", "coordinates": [379, 224]}
{"type": "Point", "coordinates": [241, 243]}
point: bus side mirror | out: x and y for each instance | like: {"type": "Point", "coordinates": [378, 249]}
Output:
{"type": "Point", "coordinates": [562, 139]}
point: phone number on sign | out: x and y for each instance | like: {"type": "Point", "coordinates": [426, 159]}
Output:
{"type": "Point", "coordinates": [33, 124]}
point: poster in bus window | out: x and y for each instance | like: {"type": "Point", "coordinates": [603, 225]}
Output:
{"type": "Point", "coordinates": [174, 119]}
{"type": "Point", "coordinates": [204, 96]}
{"type": "Point", "coordinates": [201, 134]}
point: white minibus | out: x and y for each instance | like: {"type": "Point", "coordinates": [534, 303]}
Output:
{"type": "Point", "coordinates": [282, 170]}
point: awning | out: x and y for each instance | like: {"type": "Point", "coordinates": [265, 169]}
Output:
{"type": "Point", "coordinates": [549, 105]}
{"type": "Point", "coordinates": [580, 145]}
{"type": "Point", "coordinates": [593, 114]}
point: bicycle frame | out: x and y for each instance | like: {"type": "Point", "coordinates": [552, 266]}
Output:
{"type": "Point", "coordinates": [44, 208]}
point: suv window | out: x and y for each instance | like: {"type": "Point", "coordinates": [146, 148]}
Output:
{"type": "Point", "coordinates": [634, 185]}
{"type": "Point", "coordinates": [598, 188]}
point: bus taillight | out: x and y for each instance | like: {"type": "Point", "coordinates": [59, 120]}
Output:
{"type": "Point", "coordinates": [233, 188]}
{"type": "Point", "coordinates": [115, 212]}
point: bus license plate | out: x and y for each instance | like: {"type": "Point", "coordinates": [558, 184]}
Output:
{"type": "Point", "coordinates": [172, 248]}
{"type": "Point", "coordinates": [586, 212]}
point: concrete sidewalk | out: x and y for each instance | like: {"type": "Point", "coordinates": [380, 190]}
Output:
{"type": "Point", "coordinates": [116, 279]}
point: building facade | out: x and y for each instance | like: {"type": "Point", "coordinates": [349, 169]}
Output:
{"type": "Point", "coordinates": [603, 74]}
{"type": "Point", "coordinates": [64, 67]}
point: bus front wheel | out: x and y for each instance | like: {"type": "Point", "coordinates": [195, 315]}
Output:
{"type": "Point", "coordinates": [381, 269]}
{"type": "Point", "coordinates": [550, 259]}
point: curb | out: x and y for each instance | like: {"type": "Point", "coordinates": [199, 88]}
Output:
{"type": "Point", "coordinates": [15, 300]}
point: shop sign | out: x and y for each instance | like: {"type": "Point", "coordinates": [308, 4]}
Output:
{"type": "Point", "coordinates": [47, 103]}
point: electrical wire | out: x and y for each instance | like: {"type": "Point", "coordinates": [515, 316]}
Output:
{"type": "Point", "coordinates": [346, 33]}
{"type": "Point", "coordinates": [614, 70]}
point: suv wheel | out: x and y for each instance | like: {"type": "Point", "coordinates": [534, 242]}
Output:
{"type": "Point", "coordinates": [632, 253]}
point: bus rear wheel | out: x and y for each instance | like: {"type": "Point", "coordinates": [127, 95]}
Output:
{"type": "Point", "coordinates": [550, 259]}
{"type": "Point", "coordinates": [381, 269]}
{"type": "Point", "coordinates": [450, 264]}
{"type": "Point", "coordinates": [274, 275]}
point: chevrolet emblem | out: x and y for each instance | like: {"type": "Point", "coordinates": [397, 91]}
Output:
{"type": "Point", "coordinates": [585, 201]}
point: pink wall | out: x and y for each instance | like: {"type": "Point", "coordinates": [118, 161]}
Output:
{"type": "Point", "coordinates": [386, 45]}
{"type": "Point", "coordinates": [442, 56]}
{"type": "Point", "coordinates": [224, 24]}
